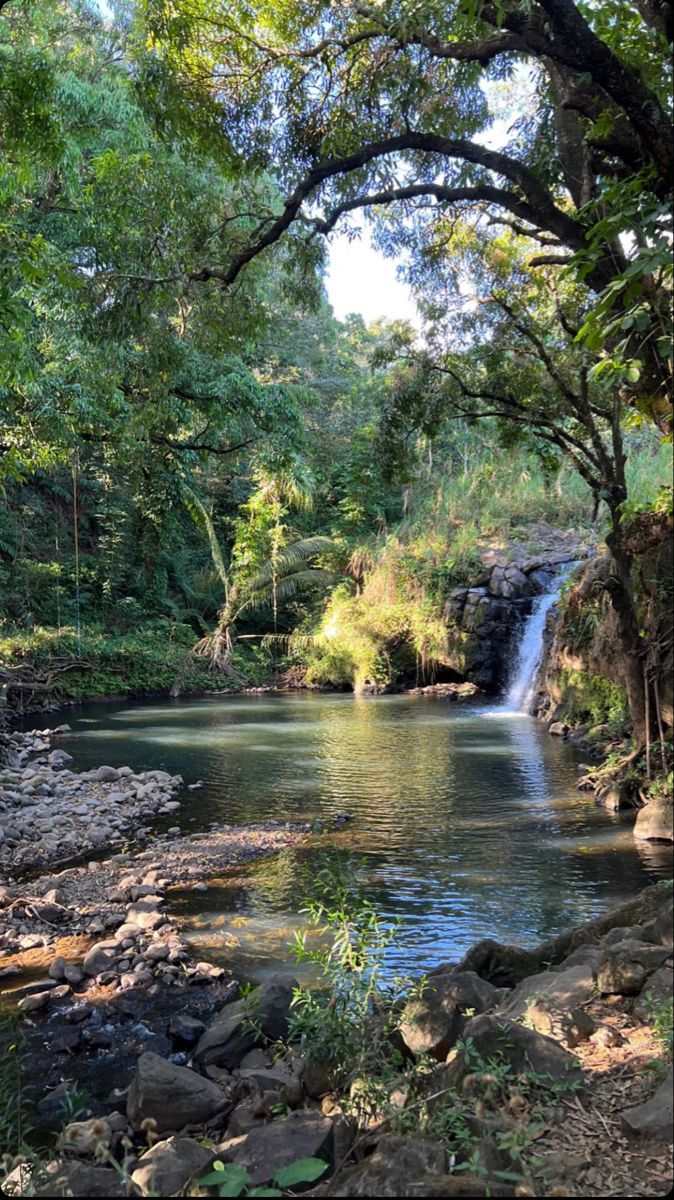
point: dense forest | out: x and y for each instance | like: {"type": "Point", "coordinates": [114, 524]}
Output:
{"type": "Point", "coordinates": [211, 484]}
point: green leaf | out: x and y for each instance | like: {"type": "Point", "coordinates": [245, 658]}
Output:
{"type": "Point", "coordinates": [305, 1170]}
{"type": "Point", "coordinates": [229, 1179]}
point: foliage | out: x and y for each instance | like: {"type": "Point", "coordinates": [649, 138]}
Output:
{"type": "Point", "coordinates": [592, 698]}
{"type": "Point", "coordinates": [230, 1180]}
{"type": "Point", "coordinates": [345, 1024]}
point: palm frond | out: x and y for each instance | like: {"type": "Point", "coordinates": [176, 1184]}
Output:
{"type": "Point", "coordinates": [286, 587]}
{"type": "Point", "coordinates": [201, 517]}
{"type": "Point", "coordinates": [289, 557]}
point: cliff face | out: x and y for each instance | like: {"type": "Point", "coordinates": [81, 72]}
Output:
{"type": "Point", "coordinates": [581, 677]}
{"type": "Point", "coordinates": [484, 621]}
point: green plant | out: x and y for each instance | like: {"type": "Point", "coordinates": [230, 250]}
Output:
{"type": "Point", "coordinates": [230, 1180]}
{"type": "Point", "coordinates": [347, 1023]}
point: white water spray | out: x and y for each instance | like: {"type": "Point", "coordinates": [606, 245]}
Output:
{"type": "Point", "coordinates": [520, 692]}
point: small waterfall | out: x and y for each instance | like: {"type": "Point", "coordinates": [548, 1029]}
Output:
{"type": "Point", "coordinates": [530, 654]}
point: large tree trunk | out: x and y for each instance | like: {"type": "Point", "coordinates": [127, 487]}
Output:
{"type": "Point", "coordinates": [632, 646]}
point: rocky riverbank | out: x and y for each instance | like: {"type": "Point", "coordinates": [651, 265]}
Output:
{"type": "Point", "coordinates": [518, 1075]}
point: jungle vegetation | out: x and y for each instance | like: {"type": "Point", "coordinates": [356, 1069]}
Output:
{"type": "Point", "coordinates": [194, 451]}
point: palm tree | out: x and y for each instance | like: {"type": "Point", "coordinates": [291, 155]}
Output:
{"type": "Point", "coordinates": [284, 575]}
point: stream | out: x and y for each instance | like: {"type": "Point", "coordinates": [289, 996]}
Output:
{"type": "Point", "coordinates": [466, 821]}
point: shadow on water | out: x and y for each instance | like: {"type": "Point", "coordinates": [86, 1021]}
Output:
{"type": "Point", "coordinates": [468, 820]}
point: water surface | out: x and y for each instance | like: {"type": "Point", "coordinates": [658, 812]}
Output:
{"type": "Point", "coordinates": [467, 819]}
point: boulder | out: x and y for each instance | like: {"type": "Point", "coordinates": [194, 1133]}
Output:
{"type": "Point", "coordinates": [624, 968]}
{"type": "Point", "coordinates": [235, 1030]}
{"type": "Point", "coordinates": [106, 774]}
{"type": "Point", "coordinates": [58, 1178]}
{"type": "Point", "coordinates": [654, 1118]}
{"type": "Point", "coordinates": [663, 926]}
{"type": "Point", "coordinates": [86, 1137]}
{"type": "Point", "coordinates": [397, 1165]}
{"type": "Point", "coordinates": [183, 1028]}
{"type": "Point", "coordinates": [267, 1148]}
{"type": "Point", "coordinates": [654, 821]}
{"type": "Point", "coordinates": [58, 759]}
{"type": "Point", "coordinates": [563, 989]}
{"type": "Point", "coordinates": [434, 1022]}
{"type": "Point", "coordinates": [145, 913]}
{"type": "Point", "coordinates": [171, 1096]}
{"type": "Point", "coordinates": [526, 1050]}
{"type": "Point", "coordinates": [169, 1165]}
{"type": "Point", "coordinates": [569, 1025]}
{"type": "Point", "coordinates": [99, 958]}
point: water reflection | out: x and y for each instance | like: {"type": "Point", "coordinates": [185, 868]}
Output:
{"type": "Point", "coordinates": [468, 819]}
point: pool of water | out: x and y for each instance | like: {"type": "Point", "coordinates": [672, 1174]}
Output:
{"type": "Point", "coordinates": [466, 820]}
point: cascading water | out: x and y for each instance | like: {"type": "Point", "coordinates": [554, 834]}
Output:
{"type": "Point", "coordinates": [520, 692]}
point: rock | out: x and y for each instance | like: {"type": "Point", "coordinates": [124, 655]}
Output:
{"type": "Point", "coordinates": [183, 1028]}
{"type": "Point", "coordinates": [654, 1118]}
{"type": "Point", "coordinates": [527, 1051]}
{"type": "Point", "coordinates": [663, 927]}
{"type": "Point", "coordinates": [558, 729]}
{"type": "Point", "coordinates": [85, 1137]}
{"type": "Point", "coordinates": [34, 1003]}
{"type": "Point", "coordinates": [59, 1178]}
{"type": "Point", "coordinates": [564, 989]}
{"type": "Point", "coordinates": [171, 1096]}
{"type": "Point", "coordinates": [267, 1148]}
{"type": "Point", "coordinates": [397, 1165]}
{"type": "Point", "coordinates": [168, 1166]}
{"type": "Point", "coordinates": [99, 958]}
{"type": "Point", "coordinates": [230, 1035]}
{"type": "Point", "coordinates": [58, 759]}
{"type": "Point", "coordinates": [144, 913]}
{"type": "Point", "coordinates": [657, 989]}
{"type": "Point", "coordinates": [624, 968]}
{"type": "Point", "coordinates": [607, 1037]}
{"type": "Point", "coordinates": [106, 774]}
{"type": "Point", "coordinates": [654, 821]}
{"type": "Point", "coordinates": [57, 968]}
{"type": "Point", "coordinates": [569, 1025]}
{"type": "Point", "coordinates": [432, 1024]}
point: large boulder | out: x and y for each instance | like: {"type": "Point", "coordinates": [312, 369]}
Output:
{"type": "Point", "coordinates": [528, 1052]}
{"type": "Point", "coordinates": [171, 1096]}
{"type": "Point", "coordinates": [397, 1164]}
{"type": "Point", "coordinates": [654, 821]}
{"type": "Point", "coordinates": [564, 989]}
{"type": "Point", "coordinates": [240, 1026]}
{"type": "Point", "coordinates": [267, 1148]}
{"type": "Point", "coordinates": [169, 1165]}
{"type": "Point", "coordinates": [654, 1118]}
{"type": "Point", "coordinates": [663, 926]}
{"type": "Point", "coordinates": [434, 1022]}
{"type": "Point", "coordinates": [624, 968]}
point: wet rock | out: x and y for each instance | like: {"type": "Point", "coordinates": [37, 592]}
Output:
{"type": "Point", "coordinates": [654, 1118]}
{"type": "Point", "coordinates": [558, 729]}
{"type": "Point", "coordinates": [230, 1035]}
{"type": "Point", "coordinates": [654, 821]}
{"type": "Point", "coordinates": [397, 1165]}
{"type": "Point", "coordinates": [433, 1023]}
{"type": "Point", "coordinates": [168, 1166]}
{"type": "Point", "coordinates": [267, 1148]}
{"type": "Point", "coordinates": [624, 968]}
{"type": "Point", "coordinates": [171, 1096]}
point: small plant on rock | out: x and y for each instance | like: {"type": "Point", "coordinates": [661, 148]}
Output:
{"type": "Point", "coordinates": [230, 1180]}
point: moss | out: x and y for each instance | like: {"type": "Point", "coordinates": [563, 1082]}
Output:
{"type": "Point", "coordinates": [592, 698]}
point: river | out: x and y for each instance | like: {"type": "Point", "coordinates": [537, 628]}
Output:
{"type": "Point", "coordinates": [466, 821]}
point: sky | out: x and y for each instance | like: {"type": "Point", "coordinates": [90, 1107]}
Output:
{"type": "Point", "coordinates": [361, 280]}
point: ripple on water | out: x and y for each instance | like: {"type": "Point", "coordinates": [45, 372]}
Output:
{"type": "Point", "coordinates": [468, 820]}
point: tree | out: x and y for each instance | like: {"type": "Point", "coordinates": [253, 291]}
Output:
{"type": "Point", "coordinates": [507, 350]}
{"type": "Point", "coordinates": [363, 105]}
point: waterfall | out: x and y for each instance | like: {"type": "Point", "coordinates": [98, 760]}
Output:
{"type": "Point", "coordinates": [530, 654]}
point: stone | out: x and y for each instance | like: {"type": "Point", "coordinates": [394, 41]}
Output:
{"type": "Point", "coordinates": [433, 1023]}
{"type": "Point", "coordinates": [58, 759]}
{"type": "Point", "coordinates": [171, 1096]}
{"type": "Point", "coordinates": [57, 968]}
{"type": "Point", "coordinates": [663, 926]}
{"type": "Point", "coordinates": [166, 1168]}
{"type": "Point", "coordinates": [569, 1025]}
{"type": "Point", "coordinates": [495, 1036]}
{"type": "Point", "coordinates": [564, 989]}
{"type": "Point", "coordinates": [34, 1003]}
{"type": "Point", "coordinates": [106, 774]}
{"type": "Point", "coordinates": [558, 729]}
{"type": "Point", "coordinates": [144, 913]}
{"type": "Point", "coordinates": [267, 1148]}
{"type": "Point", "coordinates": [99, 958]}
{"type": "Point", "coordinates": [654, 1118]}
{"type": "Point", "coordinates": [624, 968]}
{"type": "Point", "coordinates": [183, 1028]}
{"type": "Point", "coordinates": [67, 1178]}
{"type": "Point", "coordinates": [654, 821]}
{"type": "Point", "coordinates": [85, 1137]}
{"type": "Point", "coordinates": [230, 1036]}
{"type": "Point", "coordinates": [393, 1169]}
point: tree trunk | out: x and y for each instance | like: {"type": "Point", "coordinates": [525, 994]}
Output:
{"type": "Point", "coordinates": [621, 591]}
